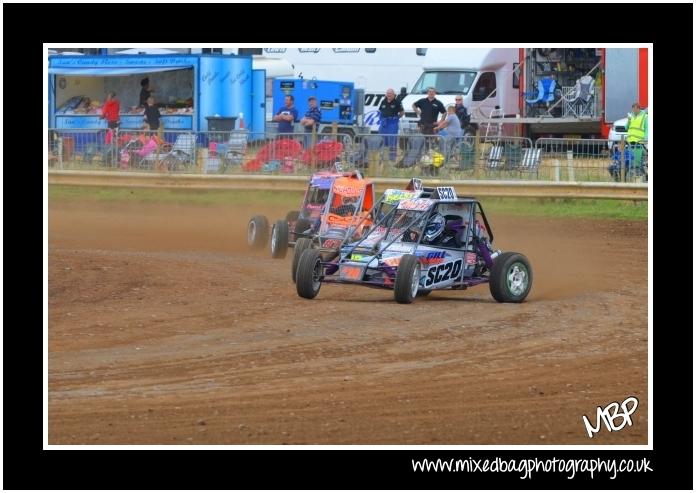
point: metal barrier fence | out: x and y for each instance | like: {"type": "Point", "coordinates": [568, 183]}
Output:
{"type": "Point", "coordinates": [388, 156]}
{"type": "Point", "coordinates": [237, 151]}
{"type": "Point", "coordinates": [105, 149]}
{"type": "Point", "coordinates": [457, 158]}
{"type": "Point", "coordinates": [591, 160]}
{"type": "Point", "coordinates": [285, 154]}
{"type": "Point", "coordinates": [400, 155]}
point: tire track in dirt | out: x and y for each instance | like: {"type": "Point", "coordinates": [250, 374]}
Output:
{"type": "Point", "coordinates": [164, 328]}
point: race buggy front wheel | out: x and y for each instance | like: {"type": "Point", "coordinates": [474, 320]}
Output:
{"type": "Point", "coordinates": [301, 245]}
{"type": "Point", "coordinates": [309, 274]}
{"type": "Point", "coordinates": [257, 232]}
{"type": "Point", "coordinates": [407, 279]}
{"type": "Point", "coordinates": [279, 239]}
{"type": "Point", "coordinates": [510, 278]}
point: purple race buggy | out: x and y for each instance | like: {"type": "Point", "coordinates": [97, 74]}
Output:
{"type": "Point", "coordinates": [434, 241]}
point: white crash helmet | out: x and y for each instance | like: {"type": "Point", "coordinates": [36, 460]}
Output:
{"type": "Point", "coordinates": [435, 227]}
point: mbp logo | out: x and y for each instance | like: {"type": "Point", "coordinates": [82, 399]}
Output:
{"type": "Point", "coordinates": [609, 415]}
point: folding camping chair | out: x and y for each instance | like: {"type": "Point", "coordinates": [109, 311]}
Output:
{"type": "Point", "coordinates": [530, 161]}
{"type": "Point", "coordinates": [544, 95]}
{"type": "Point", "coordinates": [494, 161]}
{"type": "Point", "coordinates": [234, 150]}
{"type": "Point", "coordinates": [580, 101]}
{"type": "Point", "coordinates": [373, 146]}
{"type": "Point", "coordinates": [415, 146]}
{"type": "Point", "coordinates": [181, 153]}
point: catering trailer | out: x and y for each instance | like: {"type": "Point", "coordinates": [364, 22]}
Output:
{"type": "Point", "coordinates": [188, 89]}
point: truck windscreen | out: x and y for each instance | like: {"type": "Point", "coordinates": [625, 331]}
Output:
{"type": "Point", "coordinates": [445, 82]}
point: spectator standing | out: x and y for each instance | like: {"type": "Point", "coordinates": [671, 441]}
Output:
{"type": "Point", "coordinates": [111, 111]}
{"type": "Point", "coordinates": [390, 110]}
{"type": "Point", "coordinates": [461, 112]}
{"type": "Point", "coordinates": [427, 109]}
{"type": "Point", "coordinates": [286, 116]}
{"type": "Point", "coordinates": [637, 126]}
{"type": "Point", "coordinates": [311, 119]}
{"type": "Point", "coordinates": [637, 134]}
{"type": "Point", "coordinates": [145, 91]}
{"type": "Point", "coordinates": [152, 114]}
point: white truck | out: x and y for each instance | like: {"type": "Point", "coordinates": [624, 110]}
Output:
{"type": "Point", "coordinates": [485, 78]}
{"type": "Point", "coordinates": [498, 78]}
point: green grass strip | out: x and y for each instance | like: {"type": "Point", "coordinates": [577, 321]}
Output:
{"type": "Point", "coordinates": [579, 208]}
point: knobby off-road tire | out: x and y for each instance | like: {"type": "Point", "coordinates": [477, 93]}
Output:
{"type": "Point", "coordinates": [309, 274]}
{"type": "Point", "coordinates": [257, 232]}
{"type": "Point", "coordinates": [407, 278]}
{"type": "Point", "coordinates": [300, 246]}
{"type": "Point", "coordinates": [279, 239]}
{"type": "Point", "coordinates": [510, 278]}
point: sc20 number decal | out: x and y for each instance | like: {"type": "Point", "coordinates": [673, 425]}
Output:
{"type": "Point", "coordinates": [443, 272]}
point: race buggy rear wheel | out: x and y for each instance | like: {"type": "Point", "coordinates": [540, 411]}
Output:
{"type": "Point", "coordinates": [309, 274]}
{"type": "Point", "coordinates": [407, 279]}
{"type": "Point", "coordinates": [510, 278]}
{"type": "Point", "coordinates": [279, 239]}
{"type": "Point", "coordinates": [257, 232]}
{"type": "Point", "coordinates": [300, 246]}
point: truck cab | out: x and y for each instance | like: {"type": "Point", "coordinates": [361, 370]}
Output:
{"type": "Point", "coordinates": [484, 77]}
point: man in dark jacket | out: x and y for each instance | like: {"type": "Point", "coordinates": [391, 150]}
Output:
{"type": "Point", "coordinates": [462, 113]}
{"type": "Point", "coordinates": [427, 109]}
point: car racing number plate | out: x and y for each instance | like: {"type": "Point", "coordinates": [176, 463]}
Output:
{"type": "Point", "coordinates": [351, 272]}
{"type": "Point", "coordinates": [446, 193]}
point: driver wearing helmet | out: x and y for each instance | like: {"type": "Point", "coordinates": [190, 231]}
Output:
{"type": "Point", "coordinates": [347, 207]}
{"type": "Point", "coordinates": [434, 229]}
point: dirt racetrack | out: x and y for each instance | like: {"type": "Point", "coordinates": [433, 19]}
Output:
{"type": "Point", "coordinates": [165, 329]}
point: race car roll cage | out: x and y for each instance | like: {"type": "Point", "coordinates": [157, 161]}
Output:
{"type": "Point", "coordinates": [413, 186]}
{"type": "Point", "coordinates": [323, 181]}
{"type": "Point", "coordinates": [479, 246]}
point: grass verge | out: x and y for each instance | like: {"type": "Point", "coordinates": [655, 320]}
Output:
{"type": "Point", "coordinates": [580, 208]}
